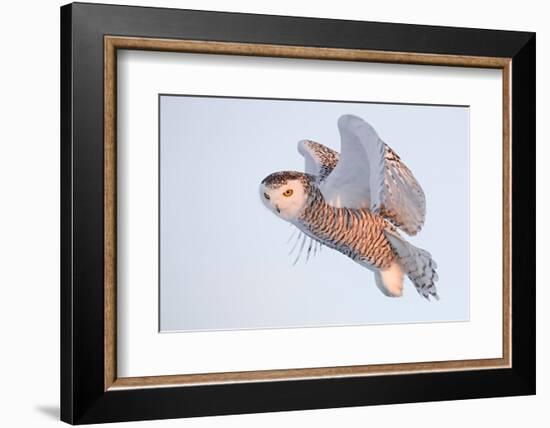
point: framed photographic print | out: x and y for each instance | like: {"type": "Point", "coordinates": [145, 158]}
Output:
{"type": "Point", "coordinates": [264, 213]}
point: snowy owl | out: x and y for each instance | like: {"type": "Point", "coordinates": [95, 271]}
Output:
{"type": "Point", "coordinates": [354, 202]}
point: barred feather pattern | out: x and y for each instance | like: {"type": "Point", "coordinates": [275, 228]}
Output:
{"type": "Point", "coordinates": [420, 268]}
{"type": "Point", "coordinates": [416, 263]}
{"type": "Point", "coordinates": [324, 158]}
{"type": "Point", "coordinates": [356, 233]}
{"type": "Point", "coordinates": [400, 198]}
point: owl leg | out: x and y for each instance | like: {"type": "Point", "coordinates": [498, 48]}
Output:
{"type": "Point", "coordinates": [390, 281]}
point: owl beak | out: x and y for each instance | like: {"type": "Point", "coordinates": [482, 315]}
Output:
{"type": "Point", "coordinates": [277, 208]}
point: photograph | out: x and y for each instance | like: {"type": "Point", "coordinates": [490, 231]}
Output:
{"type": "Point", "coordinates": [291, 213]}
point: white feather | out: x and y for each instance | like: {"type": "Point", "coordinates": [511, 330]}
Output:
{"type": "Point", "coordinates": [416, 263]}
{"type": "Point", "coordinates": [370, 175]}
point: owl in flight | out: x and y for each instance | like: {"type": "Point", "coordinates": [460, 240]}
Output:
{"type": "Point", "coordinates": [354, 202]}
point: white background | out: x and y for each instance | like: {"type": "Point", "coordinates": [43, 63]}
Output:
{"type": "Point", "coordinates": [29, 234]}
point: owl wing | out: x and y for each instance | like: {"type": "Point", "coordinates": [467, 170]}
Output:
{"type": "Point", "coordinates": [369, 174]}
{"type": "Point", "coordinates": [320, 160]}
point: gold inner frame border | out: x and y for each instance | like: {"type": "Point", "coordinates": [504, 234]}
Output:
{"type": "Point", "coordinates": [113, 43]}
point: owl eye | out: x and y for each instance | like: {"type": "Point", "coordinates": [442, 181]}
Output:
{"type": "Point", "coordinates": [288, 192]}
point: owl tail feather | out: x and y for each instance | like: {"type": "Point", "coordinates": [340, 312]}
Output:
{"type": "Point", "coordinates": [416, 263]}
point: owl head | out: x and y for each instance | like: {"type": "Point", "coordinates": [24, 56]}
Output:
{"type": "Point", "coordinates": [285, 193]}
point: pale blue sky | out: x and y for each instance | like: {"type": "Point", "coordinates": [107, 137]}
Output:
{"type": "Point", "coordinates": [224, 260]}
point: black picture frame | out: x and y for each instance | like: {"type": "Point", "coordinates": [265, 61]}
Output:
{"type": "Point", "coordinates": [83, 396]}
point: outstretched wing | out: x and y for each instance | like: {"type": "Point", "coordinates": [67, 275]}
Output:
{"type": "Point", "coordinates": [369, 174]}
{"type": "Point", "coordinates": [320, 160]}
